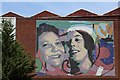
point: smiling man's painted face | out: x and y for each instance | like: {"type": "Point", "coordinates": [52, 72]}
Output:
{"type": "Point", "coordinates": [51, 48]}
{"type": "Point", "coordinates": [77, 46]}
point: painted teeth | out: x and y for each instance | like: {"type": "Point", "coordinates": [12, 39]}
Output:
{"type": "Point", "coordinates": [75, 51]}
{"type": "Point", "coordinates": [55, 56]}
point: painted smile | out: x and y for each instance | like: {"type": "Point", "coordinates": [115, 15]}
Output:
{"type": "Point", "coordinates": [55, 56]}
{"type": "Point", "coordinates": [75, 52]}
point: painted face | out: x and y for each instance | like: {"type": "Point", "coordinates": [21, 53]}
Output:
{"type": "Point", "coordinates": [51, 48]}
{"type": "Point", "coordinates": [77, 46]}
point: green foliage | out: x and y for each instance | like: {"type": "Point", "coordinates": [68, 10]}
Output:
{"type": "Point", "coordinates": [16, 64]}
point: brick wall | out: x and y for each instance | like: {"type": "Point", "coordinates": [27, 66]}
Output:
{"type": "Point", "coordinates": [26, 34]}
{"type": "Point", "coordinates": [26, 31]}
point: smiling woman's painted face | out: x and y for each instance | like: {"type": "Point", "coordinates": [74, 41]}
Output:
{"type": "Point", "coordinates": [51, 48]}
{"type": "Point", "coordinates": [77, 46]}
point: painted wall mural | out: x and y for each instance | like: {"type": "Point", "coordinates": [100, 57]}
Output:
{"type": "Point", "coordinates": [74, 48]}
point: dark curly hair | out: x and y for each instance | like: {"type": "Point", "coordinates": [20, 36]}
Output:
{"type": "Point", "coordinates": [46, 28]}
{"type": "Point", "coordinates": [89, 43]}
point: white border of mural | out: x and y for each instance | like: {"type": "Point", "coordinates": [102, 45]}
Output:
{"type": "Point", "coordinates": [96, 37]}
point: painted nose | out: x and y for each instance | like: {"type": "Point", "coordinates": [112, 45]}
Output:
{"type": "Point", "coordinates": [73, 46]}
{"type": "Point", "coordinates": [54, 49]}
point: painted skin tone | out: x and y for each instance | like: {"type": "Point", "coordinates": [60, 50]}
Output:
{"type": "Point", "coordinates": [79, 52]}
{"type": "Point", "coordinates": [51, 48]}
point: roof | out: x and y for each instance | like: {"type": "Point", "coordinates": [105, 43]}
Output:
{"type": "Point", "coordinates": [11, 14]}
{"type": "Point", "coordinates": [81, 13]}
{"type": "Point", "coordinates": [115, 12]}
{"type": "Point", "coordinates": [45, 14]}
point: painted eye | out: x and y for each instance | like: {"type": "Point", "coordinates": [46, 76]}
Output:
{"type": "Point", "coordinates": [45, 45]}
{"type": "Point", "coordinates": [58, 43]}
{"type": "Point", "coordinates": [77, 40]}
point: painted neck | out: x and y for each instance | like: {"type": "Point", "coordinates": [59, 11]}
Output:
{"type": "Point", "coordinates": [85, 65]}
{"type": "Point", "coordinates": [51, 68]}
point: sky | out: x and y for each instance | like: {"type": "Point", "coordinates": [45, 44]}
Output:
{"type": "Point", "coordinates": [28, 9]}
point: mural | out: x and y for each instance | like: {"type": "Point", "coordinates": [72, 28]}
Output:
{"type": "Point", "coordinates": [74, 48]}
